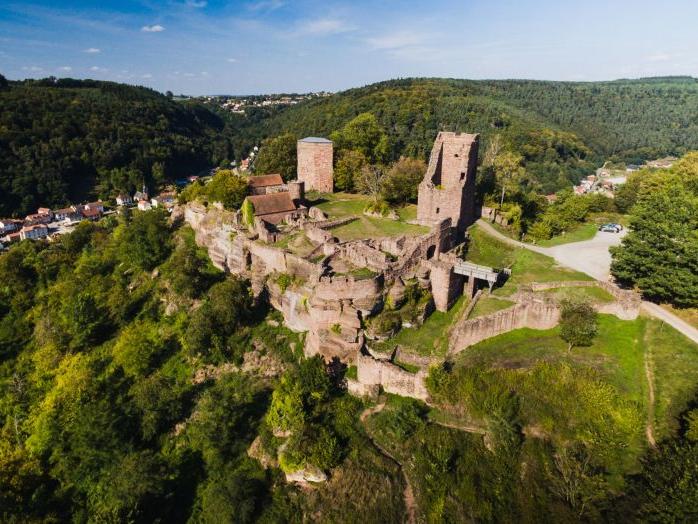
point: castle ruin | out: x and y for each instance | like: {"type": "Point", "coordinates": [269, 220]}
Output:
{"type": "Point", "coordinates": [315, 164]}
{"type": "Point", "coordinates": [448, 187]}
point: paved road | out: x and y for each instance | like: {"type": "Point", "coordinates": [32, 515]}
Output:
{"type": "Point", "coordinates": [592, 257]}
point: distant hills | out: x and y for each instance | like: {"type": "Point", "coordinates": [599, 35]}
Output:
{"type": "Point", "coordinates": [562, 128]}
{"type": "Point", "coordinates": [64, 140]}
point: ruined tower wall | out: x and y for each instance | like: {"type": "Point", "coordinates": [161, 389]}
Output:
{"type": "Point", "coordinates": [315, 164]}
{"type": "Point", "coordinates": [448, 187]}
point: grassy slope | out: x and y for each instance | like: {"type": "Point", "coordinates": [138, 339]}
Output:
{"type": "Point", "coordinates": [617, 356]}
{"type": "Point", "coordinates": [488, 305]}
{"type": "Point", "coordinates": [431, 338]}
{"type": "Point", "coordinates": [339, 205]}
{"type": "Point", "coordinates": [526, 266]}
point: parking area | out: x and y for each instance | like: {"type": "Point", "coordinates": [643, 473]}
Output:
{"type": "Point", "coordinates": [590, 256]}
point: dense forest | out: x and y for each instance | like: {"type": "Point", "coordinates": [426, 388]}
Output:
{"type": "Point", "coordinates": [62, 141]}
{"type": "Point", "coordinates": [66, 140]}
{"type": "Point", "coordinates": [562, 129]}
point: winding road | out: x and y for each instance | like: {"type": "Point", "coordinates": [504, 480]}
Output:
{"type": "Point", "coordinates": [593, 258]}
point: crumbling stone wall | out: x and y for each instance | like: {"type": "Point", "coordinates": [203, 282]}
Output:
{"type": "Point", "coordinates": [391, 378]}
{"type": "Point", "coordinates": [448, 187]}
{"type": "Point", "coordinates": [534, 314]}
{"type": "Point", "coordinates": [626, 306]}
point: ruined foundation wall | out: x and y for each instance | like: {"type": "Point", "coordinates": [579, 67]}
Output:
{"type": "Point", "coordinates": [393, 379]}
{"type": "Point", "coordinates": [534, 315]}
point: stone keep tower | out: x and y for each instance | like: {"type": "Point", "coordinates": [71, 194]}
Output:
{"type": "Point", "coordinates": [448, 187]}
{"type": "Point", "coordinates": [315, 164]}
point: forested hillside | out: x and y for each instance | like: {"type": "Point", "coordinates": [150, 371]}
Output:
{"type": "Point", "coordinates": [562, 129]}
{"type": "Point", "coordinates": [66, 140]}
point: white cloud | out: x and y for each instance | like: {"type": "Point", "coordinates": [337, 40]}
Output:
{"type": "Point", "coordinates": [32, 69]}
{"type": "Point", "coordinates": [195, 3]}
{"type": "Point", "coordinates": [92, 50]}
{"type": "Point", "coordinates": [266, 5]}
{"type": "Point", "coordinates": [98, 69]}
{"type": "Point", "coordinates": [398, 40]}
{"type": "Point", "coordinates": [323, 26]}
{"type": "Point", "coordinates": [659, 57]}
{"type": "Point", "coordinates": [232, 60]}
{"type": "Point", "coordinates": [65, 68]}
{"type": "Point", "coordinates": [157, 28]}
{"type": "Point", "coordinates": [147, 75]}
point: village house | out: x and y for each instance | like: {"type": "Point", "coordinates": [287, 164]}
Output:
{"type": "Point", "coordinates": [9, 225]}
{"type": "Point", "coordinates": [140, 195]}
{"type": "Point", "coordinates": [144, 205]}
{"type": "Point", "coordinates": [33, 232]}
{"type": "Point", "coordinates": [123, 199]}
{"type": "Point", "coordinates": [95, 206]}
{"type": "Point", "coordinates": [89, 213]}
{"type": "Point", "coordinates": [44, 211]}
{"type": "Point", "coordinates": [166, 199]}
{"type": "Point", "coordinates": [37, 218]}
{"type": "Point", "coordinates": [68, 213]}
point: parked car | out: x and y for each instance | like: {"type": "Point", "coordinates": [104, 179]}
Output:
{"type": "Point", "coordinates": [611, 228]}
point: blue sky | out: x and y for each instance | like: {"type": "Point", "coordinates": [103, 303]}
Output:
{"type": "Point", "coordinates": [262, 46]}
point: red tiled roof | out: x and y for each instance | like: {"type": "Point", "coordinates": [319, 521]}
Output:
{"type": "Point", "coordinates": [274, 203]}
{"type": "Point", "coordinates": [265, 180]}
{"type": "Point", "coordinates": [91, 212]}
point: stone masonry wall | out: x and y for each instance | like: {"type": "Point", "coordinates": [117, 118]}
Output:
{"type": "Point", "coordinates": [393, 379]}
{"type": "Point", "coordinates": [315, 166]}
{"type": "Point", "coordinates": [535, 314]}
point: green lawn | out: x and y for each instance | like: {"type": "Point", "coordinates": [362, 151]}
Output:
{"type": "Point", "coordinates": [526, 266]}
{"type": "Point", "coordinates": [340, 205]}
{"type": "Point", "coordinates": [577, 234]}
{"type": "Point", "coordinates": [591, 294]}
{"type": "Point", "coordinates": [431, 338]}
{"type": "Point", "coordinates": [488, 305]}
{"type": "Point", "coordinates": [675, 366]}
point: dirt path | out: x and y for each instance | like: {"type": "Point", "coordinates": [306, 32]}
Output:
{"type": "Point", "coordinates": [649, 375]}
{"type": "Point", "coordinates": [467, 429]}
{"type": "Point", "coordinates": [408, 492]}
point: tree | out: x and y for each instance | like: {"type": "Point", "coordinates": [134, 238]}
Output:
{"type": "Point", "coordinates": [508, 171]}
{"type": "Point", "coordinates": [278, 155]}
{"type": "Point", "coordinates": [228, 188]}
{"type": "Point", "coordinates": [348, 168]}
{"type": "Point", "coordinates": [369, 181]}
{"type": "Point", "coordinates": [145, 241]}
{"type": "Point", "coordinates": [578, 323]}
{"type": "Point", "coordinates": [401, 183]}
{"type": "Point", "coordinates": [660, 253]}
{"type": "Point", "coordinates": [365, 135]}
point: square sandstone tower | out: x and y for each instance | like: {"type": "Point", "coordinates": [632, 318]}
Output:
{"type": "Point", "coordinates": [315, 164]}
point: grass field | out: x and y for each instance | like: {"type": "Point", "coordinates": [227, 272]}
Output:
{"type": "Point", "coordinates": [526, 266]}
{"type": "Point", "coordinates": [615, 358]}
{"type": "Point", "coordinates": [576, 234]}
{"type": "Point", "coordinates": [431, 338]}
{"type": "Point", "coordinates": [340, 205]}
{"type": "Point", "coordinates": [488, 305]}
{"type": "Point", "coordinates": [591, 294]}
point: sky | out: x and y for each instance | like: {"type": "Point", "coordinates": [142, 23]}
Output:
{"type": "Point", "coordinates": [202, 47]}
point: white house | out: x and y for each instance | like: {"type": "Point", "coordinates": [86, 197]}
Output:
{"type": "Point", "coordinates": [33, 232]}
{"type": "Point", "coordinates": [123, 200]}
{"type": "Point", "coordinates": [144, 205]}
